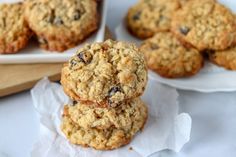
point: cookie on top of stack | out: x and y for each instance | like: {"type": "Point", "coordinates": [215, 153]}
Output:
{"type": "Point", "coordinates": [105, 81]}
{"type": "Point", "coordinates": [194, 27]}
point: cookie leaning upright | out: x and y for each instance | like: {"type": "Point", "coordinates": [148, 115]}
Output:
{"type": "Point", "coordinates": [61, 24]}
{"type": "Point", "coordinates": [150, 16]}
{"type": "Point", "coordinates": [14, 31]}
{"type": "Point", "coordinates": [169, 58]}
{"type": "Point", "coordinates": [105, 73]}
{"type": "Point", "coordinates": [103, 128]}
{"type": "Point", "coordinates": [205, 24]}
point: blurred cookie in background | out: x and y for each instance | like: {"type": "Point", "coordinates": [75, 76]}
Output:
{"type": "Point", "coordinates": [205, 24]}
{"type": "Point", "coordinates": [61, 24]}
{"type": "Point", "coordinates": [14, 31]}
{"type": "Point", "coordinates": [150, 16]}
{"type": "Point", "coordinates": [169, 58]}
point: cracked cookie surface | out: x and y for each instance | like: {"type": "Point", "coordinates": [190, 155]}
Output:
{"type": "Point", "coordinates": [103, 128]}
{"type": "Point", "coordinates": [14, 31]}
{"type": "Point", "coordinates": [225, 58]}
{"type": "Point", "coordinates": [205, 24]}
{"type": "Point", "coordinates": [150, 16]}
{"type": "Point", "coordinates": [105, 73]}
{"type": "Point", "coordinates": [169, 58]}
{"type": "Point", "coordinates": [61, 24]}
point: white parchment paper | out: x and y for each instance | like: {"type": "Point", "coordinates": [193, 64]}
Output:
{"type": "Point", "coordinates": [165, 128]}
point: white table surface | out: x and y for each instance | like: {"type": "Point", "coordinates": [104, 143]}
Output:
{"type": "Point", "coordinates": [213, 127]}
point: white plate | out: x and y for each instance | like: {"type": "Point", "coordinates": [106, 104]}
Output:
{"type": "Point", "coordinates": [210, 79]}
{"type": "Point", "coordinates": [33, 54]}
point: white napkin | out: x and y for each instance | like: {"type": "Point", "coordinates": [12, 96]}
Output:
{"type": "Point", "coordinates": [165, 128]}
{"type": "Point", "coordinates": [210, 79]}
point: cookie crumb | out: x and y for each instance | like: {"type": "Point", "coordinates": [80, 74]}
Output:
{"type": "Point", "coordinates": [130, 148]}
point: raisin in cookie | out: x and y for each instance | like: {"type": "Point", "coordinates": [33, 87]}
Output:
{"type": "Point", "coordinates": [205, 24]}
{"type": "Point", "coordinates": [225, 58]}
{"type": "Point", "coordinates": [14, 31]}
{"type": "Point", "coordinates": [169, 58]}
{"type": "Point", "coordinates": [105, 73]}
{"type": "Point", "coordinates": [61, 24]}
{"type": "Point", "coordinates": [150, 16]}
{"type": "Point", "coordinates": [103, 128]}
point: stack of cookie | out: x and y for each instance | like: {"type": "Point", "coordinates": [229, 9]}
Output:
{"type": "Point", "coordinates": [179, 33]}
{"type": "Point", "coordinates": [105, 81]}
{"type": "Point", "coordinates": [57, 24]}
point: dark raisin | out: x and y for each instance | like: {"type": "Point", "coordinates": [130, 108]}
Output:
{"type": "Point", "coordinates": [206, 53]}
{"type": "Point", "coordinates": [73, 62]}
{"type": "Point", "coordinates": [85, 57]}
{"type": "Point", "coordinates": [74, 103]}
{"type": "Point", "coordinates": [58, 21]}
{"type": "Point", "coordinates": [184, 30]}
{"type": "Point", "coordinates": [3, 23]}
{"type": "Point", "coordinates": [162, 17]}
{"type": "Point", "coordinates": [154, 46]}
{"type": "Point", "coordinates": [113, 91]}
{"type": "Point", "coordinates": [42, 41]}
{"type": "Point", "coordinates": [77, 15]}
{"type": "Point", "coordinates": [112, 104]}
{"type": "Point", "coordinates": [105, 47]}
{"type": "Point", "coordinates": [137, 16]}
{"type": "Point", "coordinates": [50, 18]}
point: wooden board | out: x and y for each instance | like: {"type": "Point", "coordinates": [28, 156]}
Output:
{"type": "Point", "coordinates": [20, 77]}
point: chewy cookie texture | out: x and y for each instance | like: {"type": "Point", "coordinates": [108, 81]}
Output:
{"type": "Point", "coordinates": [103, 128]}
{"type": "Point", "coordinates": [61, 24]}
{"type": "Point", "coordinates": [169, 58]}
{"type": "Point", "coordinates": [14, 31]}
{"type": "Point", "coordinates": [105, 73]}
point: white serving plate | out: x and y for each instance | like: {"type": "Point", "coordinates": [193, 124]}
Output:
{"type": "Point", "coordinates": [210, 79]}
{"type": "Point", "coordinates": [33, 54]}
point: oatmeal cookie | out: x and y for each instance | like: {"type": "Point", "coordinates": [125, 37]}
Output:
{"type": "Point", "coordinates": [169, 58]}
{"type": "Point", "coordinates": [150, 16]}
{"type": "Point", "coordinates": [225, 58]}
{"type": "Point", "coordinates": [103, 128]}
{"type": "Point", "coordinates": [14, 31]}
{"type": "Point", "coordinates": [61, 24]}
{"type": "Point", "coordinates": [120, 117]}
{"type": "Point", "coordinates": [205, 24]}
{"type": "Point", "coordinates": [183, 2]}
{"type": "Point", "coordinates": [105, 73]}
